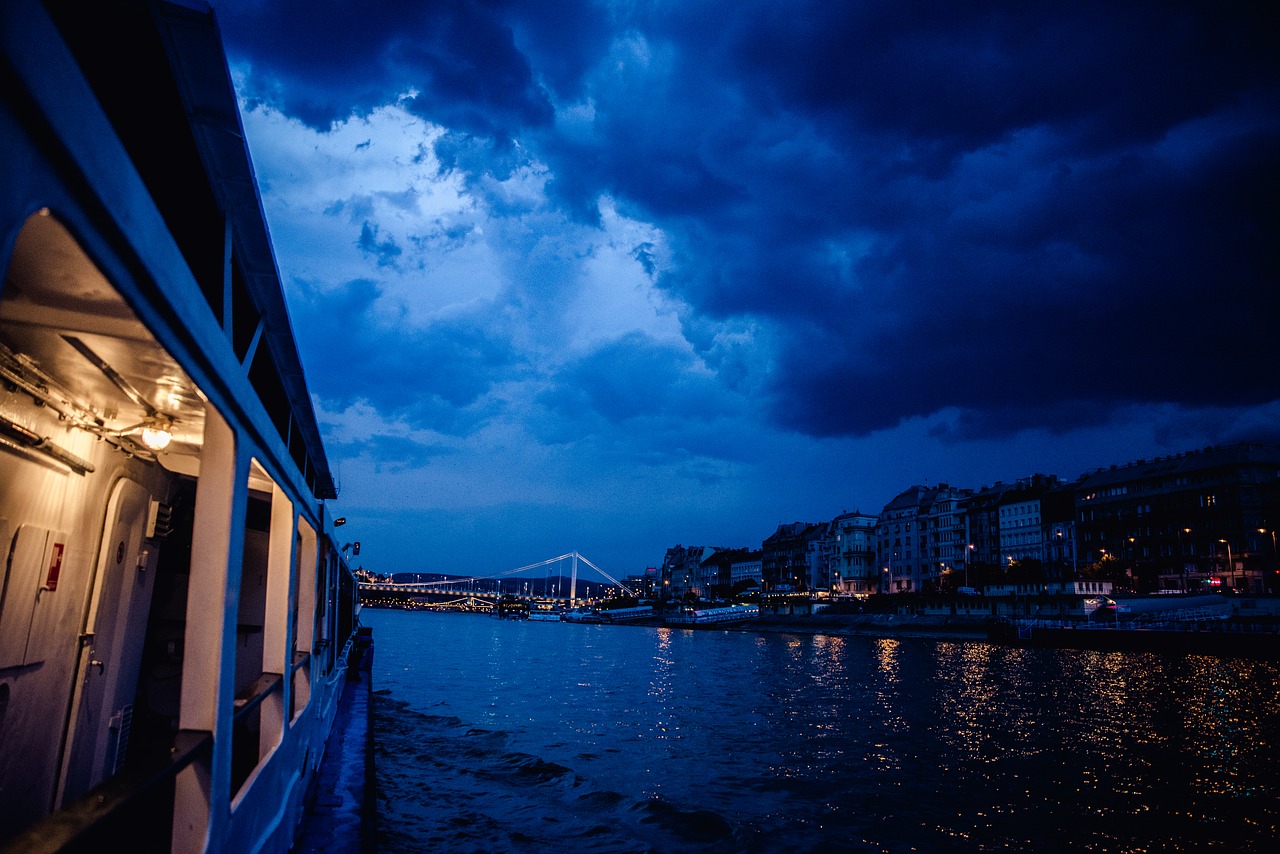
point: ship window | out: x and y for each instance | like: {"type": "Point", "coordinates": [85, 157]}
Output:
{"type": "Point", "coordinates": [245, 317]}
{"type": "Point", "coordinates": [262, 623]}
{"type": "Point", "coordinates": [305, 560]}
{"type": "Point", "coordinates": [266, 381]}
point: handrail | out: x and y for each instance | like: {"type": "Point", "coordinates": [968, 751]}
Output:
{"type": "Point", "coordinates": [253, 696]}
{"type": "Point", "coordinates": [345, 654]}
{"type": "Point", "coordinates": [79, 819]}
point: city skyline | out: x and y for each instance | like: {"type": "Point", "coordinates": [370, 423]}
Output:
{"type": "Point", "coordinates": [601, 277]}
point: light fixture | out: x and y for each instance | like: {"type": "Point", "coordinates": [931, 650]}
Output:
{"type": "Point", "coordinates": [156, 435]}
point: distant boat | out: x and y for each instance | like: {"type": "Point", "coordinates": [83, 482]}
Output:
{"type": "Point", "coordinates": [709, 616]}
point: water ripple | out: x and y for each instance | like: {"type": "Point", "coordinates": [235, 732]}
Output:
{"type": "Point", "coordinates": [625, 739]}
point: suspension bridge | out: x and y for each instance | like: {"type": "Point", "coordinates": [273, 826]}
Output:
{"type": "Point", "coordinates": [486, 592]}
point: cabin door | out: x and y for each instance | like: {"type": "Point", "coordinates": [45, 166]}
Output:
{"type": "Point", "coordinates": [111, 654]}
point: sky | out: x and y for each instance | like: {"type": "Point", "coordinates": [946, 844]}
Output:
{"type": "Point", "coordinates": [609, 277]}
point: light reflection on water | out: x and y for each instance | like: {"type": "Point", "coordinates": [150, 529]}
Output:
{"type": "Point", "coordinates": [626, 738]}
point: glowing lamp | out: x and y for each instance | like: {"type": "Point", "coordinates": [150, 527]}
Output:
{"type": "Point", "coordinates": [156, 436]}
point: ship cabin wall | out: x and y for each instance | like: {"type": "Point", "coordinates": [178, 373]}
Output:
{"type": "Point", "coordinates": [148, 598]}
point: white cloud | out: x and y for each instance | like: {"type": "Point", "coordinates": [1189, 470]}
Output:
{"type": "Point", "coordinates": [456, 248]}
{"type": "Point", "coordinates": [618, 295]}
{"type": "Point", "coordinates": [320, 189]}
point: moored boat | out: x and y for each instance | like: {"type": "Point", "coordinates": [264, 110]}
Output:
{"type": "Point", "coordinates": [176, 615]}
{"type": "Point", "coordinates": [717, 616]}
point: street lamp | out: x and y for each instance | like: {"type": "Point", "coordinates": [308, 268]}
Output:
{"type": "Point", "coordinates": [1182, 559]}
{"type": "Point", "coordinates": [1231, 567]}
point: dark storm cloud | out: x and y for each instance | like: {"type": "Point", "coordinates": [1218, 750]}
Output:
{"type": "Point", "coordinates": [324, 60]}
{"type": "Point", "coordinates": [650, 397]}
{"type": "Point", "coordinates": [434, 378]}
{"type": "Point", "coordinates": [636, 377]}
{"type": "Point", "coordinates": [1127, 279]}
{"type": "Point", "coordinates": [1034, 213]}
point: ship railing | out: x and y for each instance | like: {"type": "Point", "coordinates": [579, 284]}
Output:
{"type": "Point", "coordinates": [114, 812]}
{"type": "Point", "coordinates": [300, 674]}
{"type": "Point", "coordinates": [247, 744]}
{"type": "Point", "coordinates": [344, 657]}
{"type": "Point", "coordinates": [1181, 615]}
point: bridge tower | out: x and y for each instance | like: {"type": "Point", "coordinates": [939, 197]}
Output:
{"type": "Point", "coordinates": [573, 583]}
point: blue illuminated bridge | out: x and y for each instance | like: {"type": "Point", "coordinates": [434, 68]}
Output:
{"type": "Point", "coordinates": [537, 586]}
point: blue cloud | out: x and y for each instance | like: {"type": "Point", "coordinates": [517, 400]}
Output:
{"type": "Point", "coordinates": [322, 63]}
{"type": "Point", "coordinates": [386, 251]}
{"type": "Point", "coordinates": [431, 378]}
{"type": "Point", "coordinates": [1005, 210]}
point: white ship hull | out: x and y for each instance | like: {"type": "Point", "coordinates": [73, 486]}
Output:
{"type": "Point", "coordinates": [179, 615]}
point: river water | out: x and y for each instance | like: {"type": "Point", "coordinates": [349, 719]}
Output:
{"type": "Point", "coordinates": [505, 736]}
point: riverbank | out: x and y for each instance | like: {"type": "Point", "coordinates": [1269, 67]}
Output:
{"type": "Point", "coordinates": [1227, 638]}
{"type": "Point", "coordinates": [873, 625]}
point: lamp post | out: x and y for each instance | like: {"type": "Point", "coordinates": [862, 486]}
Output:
{"type": "Point", "coordinates": [1275, 564]}
{"type": "Point", "coordinates": [1075, 569]}
{"type": "Point", "coordinates": [1182, 560]}
{"type": "Point", "coordinates": [1058, 557]}
{"type": "Point", "coordinates": [1231, 567]}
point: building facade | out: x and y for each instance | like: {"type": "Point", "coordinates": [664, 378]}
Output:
{"type": "Point", "coordinates": [895, 534]}
{"type": "Point", "coordinates": [792, 558]}
{"type": "Point", "coordinates": [921, 536]}
{"type": "Point", "coordinates": [942, 537]}
{"type": "Point", "coordinates": [852, 550]}
{"type": "Point", "coordinates": [1202, 520]}
{"type": "Point", "coordinates": [745, 568]}
{"type": "Point", "coordinates": [682, 572]}
{"type": "Point", "coordinates": [1023, 532]}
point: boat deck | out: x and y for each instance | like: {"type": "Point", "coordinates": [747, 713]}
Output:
{"type": "Point", "coordinates": [341, 815]}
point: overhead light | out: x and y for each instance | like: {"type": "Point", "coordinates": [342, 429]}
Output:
{"type": "Point", "coordinates": [156, 436]}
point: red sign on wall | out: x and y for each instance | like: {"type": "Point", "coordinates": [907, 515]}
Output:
{"type": "Point", "coordinates": [55, 567]}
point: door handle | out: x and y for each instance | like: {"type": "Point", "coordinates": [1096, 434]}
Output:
{"type": "Point", "coordinates": [101, 665]}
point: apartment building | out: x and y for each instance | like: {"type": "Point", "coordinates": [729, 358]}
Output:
{"type": "Point", "coordinates": [852, 550]}
{"type": "Point", "coordinates": [1201, 520]}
